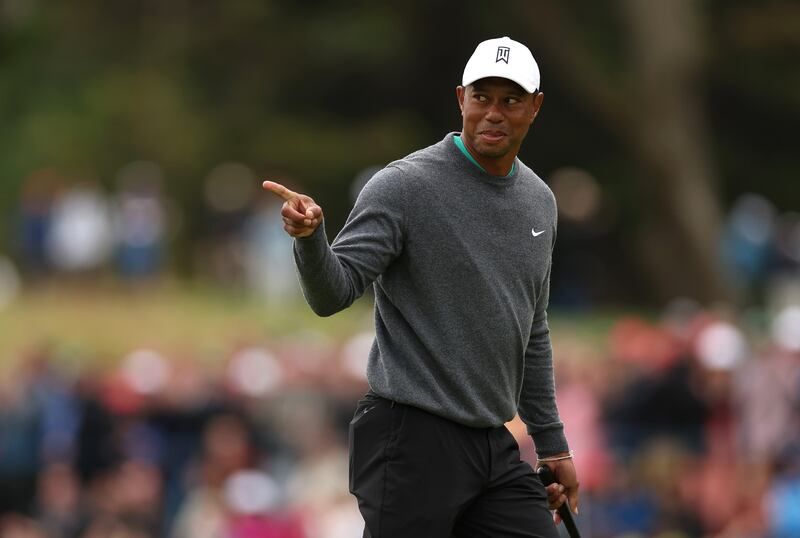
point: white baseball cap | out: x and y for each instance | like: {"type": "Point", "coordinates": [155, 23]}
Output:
{"type": "Point", "coordinates": [505, 58]}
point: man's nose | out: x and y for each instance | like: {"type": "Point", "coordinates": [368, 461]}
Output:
{"type": "Point", "coordinates": [493, 114]}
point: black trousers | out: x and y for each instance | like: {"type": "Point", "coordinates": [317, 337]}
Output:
{"type": "Point", "coordinates": [418, 475]}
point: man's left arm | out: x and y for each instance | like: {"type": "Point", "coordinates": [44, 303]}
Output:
{"type": "Point", "coordinates": [538, 409]}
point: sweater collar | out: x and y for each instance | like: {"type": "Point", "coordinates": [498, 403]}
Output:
{"type": "Point", "coordinates": [503, 180]}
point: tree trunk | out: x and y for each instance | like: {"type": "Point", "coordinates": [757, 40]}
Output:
{"type": "Point", "coordinates": [656, 111]}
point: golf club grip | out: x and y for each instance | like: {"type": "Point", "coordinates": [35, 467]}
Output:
{"type": "Point", "coordinates": [547, 478]}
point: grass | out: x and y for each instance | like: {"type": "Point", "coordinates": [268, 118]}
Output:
{"type": "Point", "coordinates": [100, 324]}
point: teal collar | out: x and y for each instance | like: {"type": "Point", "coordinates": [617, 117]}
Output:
{"type": "Point", "coordinates": [460, 144]}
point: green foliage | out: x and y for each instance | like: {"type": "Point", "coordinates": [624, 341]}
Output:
{"type": "Point", "coordinates": [313, 92]}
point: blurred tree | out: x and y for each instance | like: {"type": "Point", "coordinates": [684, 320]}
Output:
{"type": "Point", "coordinates": [676, 107]}
{"type": "Point", "coordinates": [650, 98]}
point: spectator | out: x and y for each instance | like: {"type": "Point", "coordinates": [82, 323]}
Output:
{"type": "Point", "coordinates": [80, 238]}
{"type": "Point", "coordinates": [141, 221]}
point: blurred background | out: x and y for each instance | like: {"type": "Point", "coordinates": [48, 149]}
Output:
{"type": "Point", "coordinates": [160, 374]}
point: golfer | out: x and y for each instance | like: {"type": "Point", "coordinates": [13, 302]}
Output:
{"type": "Point", "coordinates": [457, 239]}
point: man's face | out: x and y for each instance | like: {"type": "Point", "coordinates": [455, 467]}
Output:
{"type": "Point", "coordinates": [497, 114]}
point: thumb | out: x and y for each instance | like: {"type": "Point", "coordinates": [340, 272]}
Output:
{"type": "Point", "coordinates": [309, 208]}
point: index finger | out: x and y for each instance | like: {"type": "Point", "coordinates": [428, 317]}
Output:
{"type": "Point", "coordinates": [573, 501]}
{"type": "Point", "coordinates": [280, 190]}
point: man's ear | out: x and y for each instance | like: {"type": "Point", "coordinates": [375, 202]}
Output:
{"type": "Point", "coordinates": [460, 92]}
{"type": "Point", "coordinates": [538, 99]}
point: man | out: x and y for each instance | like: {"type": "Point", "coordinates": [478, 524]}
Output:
{"type": "Point", "coordinates": [457, 239]}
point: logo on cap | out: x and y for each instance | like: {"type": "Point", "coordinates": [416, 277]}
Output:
{"type": "Point", "coordinates": [502, 54]}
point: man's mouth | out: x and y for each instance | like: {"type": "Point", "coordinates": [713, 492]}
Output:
{"type": "Point", "coordinates": [492, 135]}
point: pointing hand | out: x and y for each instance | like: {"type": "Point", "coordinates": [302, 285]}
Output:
{"type": "Point", "coordinates": [301, 214]}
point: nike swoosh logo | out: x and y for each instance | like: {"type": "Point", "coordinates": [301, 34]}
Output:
{"type": "Point", "coordinates": [535, 233]}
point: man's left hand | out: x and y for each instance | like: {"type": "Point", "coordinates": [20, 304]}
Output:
{"type": "Point", "coordinates": [565, 488]}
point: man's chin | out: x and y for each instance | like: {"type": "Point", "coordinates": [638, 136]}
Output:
{"type": "Point", "coordinates": [491, 151]}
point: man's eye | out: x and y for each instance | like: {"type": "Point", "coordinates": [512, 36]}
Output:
{"type": "Point", "coordinates": [512, 100]}
{"type": "Point", "coordinates": [480, 98]}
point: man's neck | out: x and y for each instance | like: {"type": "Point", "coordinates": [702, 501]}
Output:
{"type": "Point", "coordinates": [497, 166]}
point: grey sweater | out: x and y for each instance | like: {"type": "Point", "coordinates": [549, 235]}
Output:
{"type": "Point", "coordinates": [460, 262]}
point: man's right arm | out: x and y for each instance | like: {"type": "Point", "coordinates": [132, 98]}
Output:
{"type": "Point", "coordinates": [332, 277]}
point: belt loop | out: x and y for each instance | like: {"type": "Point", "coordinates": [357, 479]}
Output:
{"type": "Point", "coordinates": [393, 404]}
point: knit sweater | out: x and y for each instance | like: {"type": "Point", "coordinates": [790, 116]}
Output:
{"type": "Point", "coordinates": [460, 261]}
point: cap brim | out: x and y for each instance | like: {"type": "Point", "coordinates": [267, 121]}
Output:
{"type": "Point", "coordinates": [527, 87]}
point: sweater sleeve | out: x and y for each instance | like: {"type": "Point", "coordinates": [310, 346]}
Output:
{"type": "Point", "coordinates": [334, 276]}
{"type": "Point", "coordinates": [537, 406]}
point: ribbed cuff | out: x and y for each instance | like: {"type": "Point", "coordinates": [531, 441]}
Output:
{"type": "Point", "coordinates": [312, 248]}
{"type": "Point", "coordinates": [550, 441]}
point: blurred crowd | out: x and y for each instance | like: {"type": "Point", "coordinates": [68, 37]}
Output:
{"type": "Point", "coordinates": [687, 425]}
{"type": "Point", "coordinates": [757, 250]}
{"type": "Point", "coordinates": [255, 446]}
{"type": "Point", "coordinates": [234, 239]}
{"type": "Point", "coordinates": [79, 229]}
